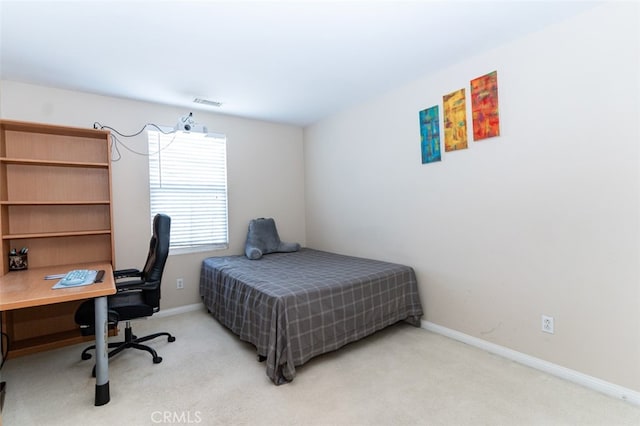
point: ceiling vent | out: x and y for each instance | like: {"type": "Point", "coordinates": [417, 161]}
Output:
{"type": "Point", "coordinates": [207, 102]}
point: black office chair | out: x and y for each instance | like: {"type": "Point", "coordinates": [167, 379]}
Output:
{"type": "Point", "coordinates": [135, 298]}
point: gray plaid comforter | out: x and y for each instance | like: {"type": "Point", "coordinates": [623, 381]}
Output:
{"type": "Point", "coordinates": [294, 306]}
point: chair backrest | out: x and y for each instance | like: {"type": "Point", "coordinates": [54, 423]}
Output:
{"type": "Point", "coordinates": [157, 257]}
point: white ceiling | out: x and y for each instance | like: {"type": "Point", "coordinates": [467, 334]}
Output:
{"type": "Point", "coordinates": [286, 61]}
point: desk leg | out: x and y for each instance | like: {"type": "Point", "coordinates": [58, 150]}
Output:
{"type": "Point", "coordinates": [102, 359]}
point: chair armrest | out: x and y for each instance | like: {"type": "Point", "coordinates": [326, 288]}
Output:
{"type": "Point", "coordinates": [123, 273]}
{"type": "Point", "coordinates": [136, 285]}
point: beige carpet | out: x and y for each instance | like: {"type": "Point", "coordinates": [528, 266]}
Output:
{"type": "Point", "coordinates": [400, 376]}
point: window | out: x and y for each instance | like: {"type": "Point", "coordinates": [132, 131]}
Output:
{"type": "Point", "coordinates": [188, 181]}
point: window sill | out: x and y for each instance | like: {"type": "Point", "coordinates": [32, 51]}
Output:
{"type": "Point", "coordinates": [198, 249]}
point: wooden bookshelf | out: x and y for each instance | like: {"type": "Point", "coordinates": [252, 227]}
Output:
{"type": "Point", "coordinates": [56, 200]}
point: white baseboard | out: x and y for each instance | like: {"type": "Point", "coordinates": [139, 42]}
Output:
{"type": "Point", "coordinates": [585, 380]}
{"type": "Point", "coordinates": [179, 310]}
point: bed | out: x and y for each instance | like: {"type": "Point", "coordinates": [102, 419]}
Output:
{"type": "Point", "coordinates": [295, 306]}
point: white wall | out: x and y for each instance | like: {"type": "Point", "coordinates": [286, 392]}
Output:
{"type": "Point", "coordinates": [265, 172]}
{"type": "Point", "coordinates": [541, 220]}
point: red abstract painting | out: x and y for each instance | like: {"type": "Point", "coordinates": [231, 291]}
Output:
{"type": "Point", "coordinates": [484, 106]}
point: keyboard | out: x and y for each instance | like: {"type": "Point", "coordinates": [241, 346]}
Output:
{"type": "Point", "coordinates": [77, 276]}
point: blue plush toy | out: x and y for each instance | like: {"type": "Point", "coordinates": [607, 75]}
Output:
{"type": "Point", "coordinates": [263, 238]}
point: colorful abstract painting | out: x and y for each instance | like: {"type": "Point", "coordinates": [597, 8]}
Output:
{"type": "Point", "coordinates": [455, 121]}
{"type": "Point", "coordinates": [430, 134]}
{"type": "Point", "coordinates": [484, 106]}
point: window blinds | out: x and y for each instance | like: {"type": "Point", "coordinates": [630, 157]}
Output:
{"type": "Point", "coordinates": [188, 181]}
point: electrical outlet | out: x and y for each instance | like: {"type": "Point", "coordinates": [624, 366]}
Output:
{"type": "Point", "coordinates": [179, 283]}
{"type": "Point", "coordinates": [547, 324]}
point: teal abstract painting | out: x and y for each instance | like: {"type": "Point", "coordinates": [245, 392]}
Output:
{"type": "Point", "coordinates": [430, 134]}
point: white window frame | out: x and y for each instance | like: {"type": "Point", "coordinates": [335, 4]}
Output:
{"type": "Point", "coordinates": [199, 177]}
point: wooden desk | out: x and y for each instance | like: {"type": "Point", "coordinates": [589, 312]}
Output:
{"type": "Point", "coordinates": [24, 289]}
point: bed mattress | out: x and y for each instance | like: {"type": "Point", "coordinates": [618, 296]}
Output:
{"type": "Point", "coordinates": [295, 306]}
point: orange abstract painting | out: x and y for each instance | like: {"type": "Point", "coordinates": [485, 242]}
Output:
{"type": "Point", "coordinates": [484, 106]}
{"type": "Point", "coordinates": [455, 121]}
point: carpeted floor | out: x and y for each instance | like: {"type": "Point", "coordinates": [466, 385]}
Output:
{"type": "Point", "coordinates": [400, 376]}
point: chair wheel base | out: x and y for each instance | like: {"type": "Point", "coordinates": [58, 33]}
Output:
{"type": "Point", "coordinates": [130, 341]}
